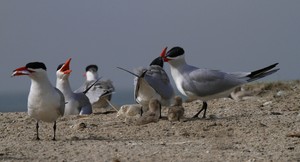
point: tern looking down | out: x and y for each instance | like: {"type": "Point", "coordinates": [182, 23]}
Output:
{"type": "Point", "coordinates": [45, 102]}
{"type": "Point", "coordinates": [152, 83]}
{"type": "Point", "coordinates": [206, 84]}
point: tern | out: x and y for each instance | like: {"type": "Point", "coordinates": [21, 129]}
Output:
{"type": "Point", "coordinates": [76, 103]}
{"type": "Point", "coordinates": [99, 94]}
{"type": "Point", "coordinates": [152, 82]}
{"type": "Point", "coordinates": [206, 84]}
{"type": "Point", "coordinates": [45, 102]}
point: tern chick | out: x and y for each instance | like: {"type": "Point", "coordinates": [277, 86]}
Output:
{"type": "Point", "coordinates": [152, 115]}
{"type": "Point", "coordinates": [176, 111]}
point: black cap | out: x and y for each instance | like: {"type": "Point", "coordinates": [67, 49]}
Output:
{"type": "Point", "coordinates": [36, 65]}
{"type": "Point", "coordinates": [175, 51]}
{"type": "Point", "coordinates": [91, 66]}
{"type": "Point", "coordinates": [158, 61]}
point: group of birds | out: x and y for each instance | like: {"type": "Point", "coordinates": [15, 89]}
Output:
{"type": "Point", "coordinates": [152, 89]}
{"type": "Point", "coordinates": [47, 103]}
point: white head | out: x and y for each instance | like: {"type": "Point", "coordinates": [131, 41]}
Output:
{"type": "Point", "coordinates": [91, 72]}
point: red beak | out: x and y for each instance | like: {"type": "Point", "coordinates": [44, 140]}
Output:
{"type": "Point", "coordinates": [21, 71]}
{"type": "Point", "coordinates": [163, 54]}
{"type": "Point", "coordinates": [66, 67]}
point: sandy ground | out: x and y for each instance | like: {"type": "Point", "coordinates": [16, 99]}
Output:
{"type": "Point", "coordinates": [265, 127]}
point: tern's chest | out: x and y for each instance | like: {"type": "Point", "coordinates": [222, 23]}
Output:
{"type": "Point", "coordinates": [178, 78]}
{"type": "Point", "coordinates": [43, 100]}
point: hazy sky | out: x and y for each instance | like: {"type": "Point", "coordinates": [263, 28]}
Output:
{"type": "Point", "coordinates": [240, 35]}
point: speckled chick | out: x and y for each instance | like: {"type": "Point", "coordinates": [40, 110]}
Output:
{"type": "Point", "coordinates": [176, 111]}
{"type": "Point", "coordinates": [152, 115]}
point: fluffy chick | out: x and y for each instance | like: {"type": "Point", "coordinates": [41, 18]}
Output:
{"type": "Point", "coordinates": [176, 111]}
{"type": "Point", "coordinates": [152, 115]}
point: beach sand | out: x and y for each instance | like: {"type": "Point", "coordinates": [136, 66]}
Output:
{"type": "Point", "coordinates": [264, 127]}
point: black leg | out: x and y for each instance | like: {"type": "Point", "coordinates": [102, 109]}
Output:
{"type": "Point", "coordinates": [37, 130]}
{"type": "Point", "coordinates": [54, 129]}
{"type": "Point", "coordinates": [160, 111]}
{"type": "Point", "coordinates": [204, 107]}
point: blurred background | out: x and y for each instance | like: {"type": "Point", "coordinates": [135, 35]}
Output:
{"type": "Point", "coordinates": [233, 35]}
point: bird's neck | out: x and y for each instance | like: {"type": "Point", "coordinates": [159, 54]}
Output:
{"type": "Point", "coordinates": [176, 66]}
{"type": "Point", "coordinates": [90, 76]}
{"type": "Point", "coordinates": [40, 85]}
{"type": "Point", "coordinates": [64, 86]}
{"type": "Point", "coordinates": [176, 63]}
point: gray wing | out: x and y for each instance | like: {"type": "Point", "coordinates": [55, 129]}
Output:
{"type": "Point", "coordinates": [83, 87]}
{"type": "Point", "coordinates": [84, 103]}
{"type": "Point", "coordinates": [240, 74]}
{"type": "Point", "coordinates": [61, 109]}
{"type": "Point", "coordinates": [102, 87]}
{"type": "Point", "coordinates": [158, 79]}
{"type": "Point", "coordinates": [205, 82]}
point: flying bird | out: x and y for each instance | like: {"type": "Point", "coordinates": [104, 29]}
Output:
{"type": "Point", "coordinates": [207, 84]}
{"type": "Point", "coordinates": [45, 102]}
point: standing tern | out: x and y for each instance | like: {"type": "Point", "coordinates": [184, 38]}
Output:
{"type": "Point", "coordinates": [152, 82]}
{"type": "Point", "coordinates": [45, 102]}
{"type": "Point", "coordinates": [76, 103]}
{"type": "Point", "coordinates": [99, 94]}
{"type": "Point", "coordinates": [206, 84]}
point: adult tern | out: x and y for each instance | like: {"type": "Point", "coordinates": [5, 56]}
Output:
{"type": "Point", "coordinates": [99, 94]}
{"type": "Point", "coordinates": [76, 103]}
{"type": "Point", "coordinates": [45, 102]}
{"type": "Point", "coordinates": [152, 82]}
{"type": "Point", "coordinates": [206, 84]}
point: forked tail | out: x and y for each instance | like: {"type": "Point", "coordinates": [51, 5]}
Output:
{"type": "Point", "coordinates": [262, 72]}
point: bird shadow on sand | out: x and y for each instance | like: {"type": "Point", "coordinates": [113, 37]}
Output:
{"type": "Point", "coordinates": [88, 138]}
{"type": "Point", "coordinates": [211, 118]}
{"type": "Point", "coordinates": [105, 112]}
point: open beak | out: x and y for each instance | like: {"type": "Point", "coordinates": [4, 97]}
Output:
{"type": "Point", "coordinates": [21, 71]}
{"type": "Point", "coordinates": [163, 54]}
{"type": "Point", "coordinates": [66, 67]}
